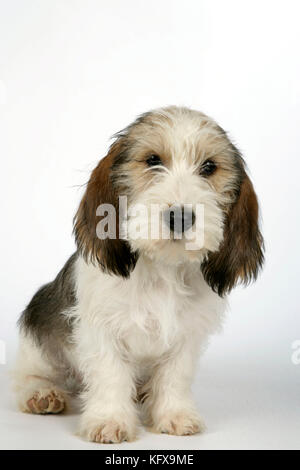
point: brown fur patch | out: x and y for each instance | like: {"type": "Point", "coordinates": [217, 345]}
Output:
{"type": "Point", "coordinates": [114, 256]}
{"type": "Point", "coordinates": [241, 254]}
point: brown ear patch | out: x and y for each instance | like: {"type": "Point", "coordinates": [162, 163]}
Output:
{"type": "Point", "coordinates": [241, 253]}
{"type": "Point", "coordinates": [113, 255]}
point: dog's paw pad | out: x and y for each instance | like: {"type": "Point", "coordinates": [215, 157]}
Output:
{"type": "Point", "coordinates": [45, 402]}
{"type": "Point", "coordinates": [180, 424]}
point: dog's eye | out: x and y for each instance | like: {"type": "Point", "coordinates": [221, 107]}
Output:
{"type": "Point", "coordinates": [208, 168]}
{"type": "Point", "coordinates": [153, 160]}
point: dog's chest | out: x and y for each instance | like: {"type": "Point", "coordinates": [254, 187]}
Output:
{"type": "Point", "coordinates": [150, 313]}
{"type": "Point", "coordinates": [155, 317]}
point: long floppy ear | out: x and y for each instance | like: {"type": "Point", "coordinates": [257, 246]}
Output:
{"type": "Point", "coordinates": [241, 253]}
{"type": "Point", "coordinates": [114, 256]}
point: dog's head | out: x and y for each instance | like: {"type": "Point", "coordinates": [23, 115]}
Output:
{"type": "Point", "coordinates": [185, 197]}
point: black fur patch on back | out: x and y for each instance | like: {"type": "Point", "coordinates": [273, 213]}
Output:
{"type": "Point", "coordinates": [43, 318]}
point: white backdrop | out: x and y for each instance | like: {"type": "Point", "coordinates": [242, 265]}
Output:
{"type": "Point", "coordinates": [72, 73]}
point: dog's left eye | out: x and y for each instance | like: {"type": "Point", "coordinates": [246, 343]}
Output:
{"type": "Point", "coordinates": [208, 168]}
{"type": "Point", "coordinates": [153, 160]}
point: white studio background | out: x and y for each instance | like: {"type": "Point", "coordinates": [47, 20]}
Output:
{"type": "Point", "coordinates": [72, 73]}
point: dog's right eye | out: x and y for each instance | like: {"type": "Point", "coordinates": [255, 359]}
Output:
{"type": "Point", "coordinates": [153, 160]}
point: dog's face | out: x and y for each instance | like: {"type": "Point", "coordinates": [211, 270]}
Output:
{"type": "Point", "coordinates": [189, 199]}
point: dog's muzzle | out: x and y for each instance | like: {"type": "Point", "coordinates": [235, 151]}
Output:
{"type": "Point", "coordinates": [179, 219]}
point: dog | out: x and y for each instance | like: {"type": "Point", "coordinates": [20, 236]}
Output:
{"type": "Point", "coordinates": [125, 320]}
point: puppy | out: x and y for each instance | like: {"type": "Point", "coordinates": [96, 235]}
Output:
{"type": "Point", "coordinates": [124, 321]}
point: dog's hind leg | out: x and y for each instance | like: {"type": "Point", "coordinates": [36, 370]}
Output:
{"type": "Point", "coordinates": [34, 380]}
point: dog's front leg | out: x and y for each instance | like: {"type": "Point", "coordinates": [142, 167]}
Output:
{"type": "Point", "coordinates": [170, 407]}
{"type": "Point", "coordinates": [109, 414]}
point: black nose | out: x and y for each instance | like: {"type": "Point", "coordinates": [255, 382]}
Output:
{"type": "Point", "coordinates": [179, 219]}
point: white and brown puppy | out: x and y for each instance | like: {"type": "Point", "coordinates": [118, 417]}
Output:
{"type": "Point", "coordinates": [125, 319]}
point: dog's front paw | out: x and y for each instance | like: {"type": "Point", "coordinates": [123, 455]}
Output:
{"type": "Point", "coordinates": [180, 423]}
{"type": "Point", "coordinates": [109, 431]}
